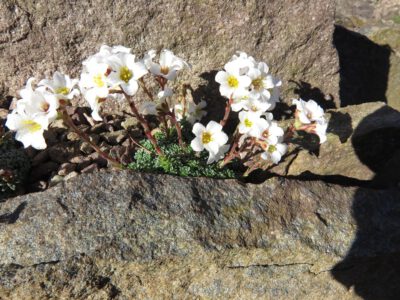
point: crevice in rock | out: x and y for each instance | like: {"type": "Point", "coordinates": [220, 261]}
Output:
{"type": "Point", "coordinates": [271, 265]}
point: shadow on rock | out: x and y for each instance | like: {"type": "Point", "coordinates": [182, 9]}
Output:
{"type": "Point", "coordinates": [364, 67]}
{"type": "Point", "coordinates": [372, 265]}
{"type": "Point", "coordinates": [209, 92]}
{"type": "Point", "coordinates": [307, 92]}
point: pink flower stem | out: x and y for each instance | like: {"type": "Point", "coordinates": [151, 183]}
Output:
{"type": "Point", "coordinates": [144, 124]}
{"type": "Point", "coordinates": [70, 123]}
{"type": "Point", "coordinates": [232, 152]}
{"type": "Point", "coordinates": [227, 112]}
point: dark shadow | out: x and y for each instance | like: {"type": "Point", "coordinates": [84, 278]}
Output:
{"type": "Point", "coordinates": [364, 67]}
{"type": "Point", "coordinates": [372, 264]}
{"type": "Point", "coordinates": [11, 218]}
{"type": "Point", "coordinates": [340, 125]}
{"type": "Point", "coordinates": [209, 92]}
{"type": "Point", "coordinates": [307, 92]}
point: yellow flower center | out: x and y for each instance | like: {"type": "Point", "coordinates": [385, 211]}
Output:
{"type": "Point", "coordinates": [62, 90]}
{"type": "Point", "coordinates": [206, 137]}
{"type": "Point", "coordinates": [164, 70]}
{"type": "Point", "coordinates": [258, 83]}
{"type": "Point", "coordinates": [271, 149]}
{"type": "Point", "coordinates": [254, 108]}
{"type": "Point", "coordinates": [125, 74]}
{"type": "Point", "coordinates": [248, 123]}
{"type": "Point", "coordinates": [98, 80]}
{"type": "Point", "coordinates": [233, 82]}
{"type": "Point", "coordinates": [32, 126]}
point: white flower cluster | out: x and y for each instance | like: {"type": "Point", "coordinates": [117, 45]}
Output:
{"type": "Point", "coordinates": [310, 118]}
{"type": "Point", "coordinates": [110, 73]}
{"type": "Point", "coordinates": [251, 91]}
{"type": "Point", "coordinates": [248, 83]}
{"type": "Point", "coordinates": [38, 107]}
{"type": "Point", "coordinates": [116, 73]}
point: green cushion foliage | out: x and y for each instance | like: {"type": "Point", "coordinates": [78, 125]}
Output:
{"type": "Point", "coordinates": [177, 160]}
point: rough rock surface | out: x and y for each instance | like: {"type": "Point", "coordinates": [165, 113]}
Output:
{"type": "Point", "coordinates": [369, 60]}
{"type": "Point", "coordinates": [145, 238]}
{"type": "Point", "coordinates": [294, 37]}
{"type": "Point", "coordinates": [363, 143]}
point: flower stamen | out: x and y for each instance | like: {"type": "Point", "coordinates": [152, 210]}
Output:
{"type": "Point", "coordinates": [125, 74]}
{"type": "Point", "coordinates": [206, 137]}
{"type": "Point", "coordinates": [233, 82]}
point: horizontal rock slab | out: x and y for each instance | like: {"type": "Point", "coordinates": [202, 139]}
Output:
{"type": "Point", "coordinates": [279, 33]}
{"type": "Point", "coordinates": [363, 143]}
{"type": "Point", "coordinates": [131, 235]}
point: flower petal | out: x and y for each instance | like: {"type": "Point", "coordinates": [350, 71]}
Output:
{"type": "Point", "coordinates": [196, 144]}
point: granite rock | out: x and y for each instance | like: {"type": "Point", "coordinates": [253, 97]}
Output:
{"type": "Point", "coordinates": [139, 236]}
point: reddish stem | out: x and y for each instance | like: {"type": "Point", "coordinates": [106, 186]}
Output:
{"type": "Point", "coordinates": [69, 122]}
{"type": "Point", "coordinates": [145, 124]}
{"type": "Point", "coordinates": [232, 153]}
{"type": "Point", "coordinates": [227, 112]}
{"type": "Point", "coordinates": [145, 89]}
{"type": "Point", "coordinates": [178, 128]}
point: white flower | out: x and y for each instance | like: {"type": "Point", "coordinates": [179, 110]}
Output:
{"type": "Point", "coordinates": [126, 72]}
{"type": "Point", "coordinates": [261, 81]}
{"type": "Point", "coordinates": [194, 112]}
{"type": "Point", "coordinates": [274, 152]}
{"type": "Point", "coordinates": [61, 85]}
{"type": "Point", "coordinates": [29, 128]}
{"type": "Point", "coordinates": [148, 58]}
{"type": "Point", "coordinates": [167, 92]}
{"type": "Point", "coordinates": [94, 101]}
{"type": "Point", "coordinates": [240, 103]}
{"type": "Point", "coordinates": [252, 124]}
{"type": "Point", "coordinates": [104, 53]}
{"type": "Point", "coordinates": [37, 101]}
{"type": "Point", "coordinates": [95, 78]}
{"type": "Point", "coordinates": [232, 83]}
{"type": "Point", "coordinates": [243, 61]}
{"type": "Point", "coordinates": [168, 66]}
{"type": "Point", "coordinates": [273, 133]}
{"type": "Point", "coordinates": [211, 138]}
{"type": "Point", "coordinates": [275, 92]}
{"type": "Point", "coordinates": [309, 111]}
{"type": "Point", "coordinates": [219, 155]}
{"type": "Point", "coordinates": [149, 108]}
{"type": "Point", "coordinates": [255, 105]}
{"type": "Point", "coordinates": [320, 130]}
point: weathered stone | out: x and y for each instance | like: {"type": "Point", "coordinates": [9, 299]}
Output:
{"type": "Point", "coordinates": [66, 168]}
{"type": "Point", "coordinates": [130, 123]}
{"type": "Point", "coordinates": [73, 136]}
{"type": "Point", "coordinates": [70, 175]}
{"type": "Point", "coordinates": [98, 128]}
{"type": "Point", "coordinates": [56, 179]}
{"type": "Point", "coordinates": [114, 137]}
{"type": "Point", "coordinates": [139, 236]}
{"type": "Point", "coordinates": [294, 37]}
{"type": "Point", "coordinates": [63, 152]}
{"type": "Point", "coordinates": [90, 169]}
{"type": "Point", "coordinates": [81, 161]}
{"type": "Point", "coordinates": [362, 141]}
{"type": "Point", "coordinates": [378, 22]}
